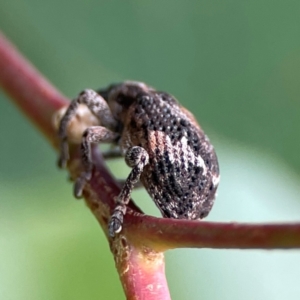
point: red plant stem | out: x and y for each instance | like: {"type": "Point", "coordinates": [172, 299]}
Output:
{"type": "Point", "coordinates": [146, 269]}
{"type": "Point", "coordinates": [30, 91]}
{"type": "Point", "coordinates": [161, 234]}
{"type": "Point", "coordinates": [142, 270]}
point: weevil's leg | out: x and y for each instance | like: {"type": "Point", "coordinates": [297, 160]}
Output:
{"type": "Point", "coordinates": [62, 133]}
{"type": "Point", "coordinates": [137, 158]}
{"type": "Point", "coordinates": [138, 185]}
{"type": "Point", "coordinates": [97, 105]}
{"type": "Point", "coordinates": [117, 153]}
{"type": "Point", "coordinates": [92, 135]}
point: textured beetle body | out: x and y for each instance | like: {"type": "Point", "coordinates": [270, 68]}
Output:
{"type": "Point", "coordinates": [177, 164]}
{"type": "Point", "coordinates": [182, 173]}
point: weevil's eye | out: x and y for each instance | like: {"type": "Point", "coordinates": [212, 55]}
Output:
{"type": "Point", "coordinates": [125, 101]}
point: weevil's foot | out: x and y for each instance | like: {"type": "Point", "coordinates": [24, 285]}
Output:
{"type": "Point", "coordinates": [80, 183]}
{"type": "Point", "coordinates": [116, 221]}
{"type": "Point", "coordinates": [114, 226]}
{"type": "Point", "coordinates": [62, 162]}
{"type": "Point", "coordinates": [64, 155]}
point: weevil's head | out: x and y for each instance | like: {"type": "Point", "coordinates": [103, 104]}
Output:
{"type": "Point", "coordinates": [120, 96]}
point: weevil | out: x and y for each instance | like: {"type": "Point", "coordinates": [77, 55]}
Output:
{"type": "Point", "coordinates": [160, 140]}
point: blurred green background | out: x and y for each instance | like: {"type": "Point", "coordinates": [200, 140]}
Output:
{"type": "Point", "coordinates": [235, 64]}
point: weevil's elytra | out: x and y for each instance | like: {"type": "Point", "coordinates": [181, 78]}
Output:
{"type": "Point", "coordinates": [160, 140]}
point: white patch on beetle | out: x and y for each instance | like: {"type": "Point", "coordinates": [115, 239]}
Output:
{"type": "Point", "coordinates": [200, 162]}
{"type": "Point", "coordinates": [216, 180]}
